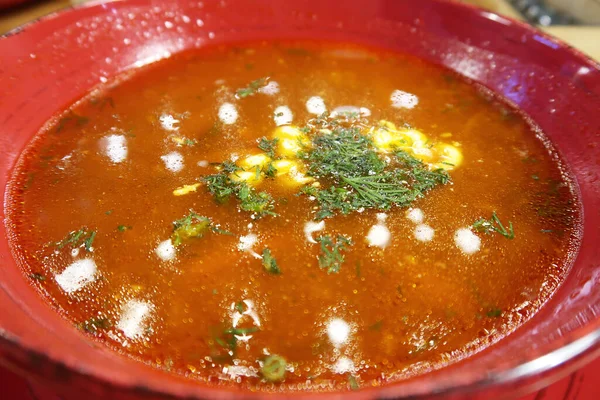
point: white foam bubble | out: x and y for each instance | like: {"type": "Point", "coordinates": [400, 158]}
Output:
{"type": "Point", "coordinates": [77, 275]}
{"type": "Point", "coordinates": [203, 163]}
{"type": "Point", "coordinates": [115, 148]}
{"type": "Point", "coordinates": [316, 105]}
{"type": "Point", "coordinates": [381, 217]}
{"type": "Point", "coordinates": [343, 365]}
{"type": "Point", "coordinates": [228, 114]}
{"type": "Point", "coordinates": [165, 250]}
{"type": "Point", "coordinates": [424, 233]}
{"type": "Point", "coordinates": [173, 161]}
{"type": "Point", "coordinates": [271, 88]}
{"type": "Point", "coordinates": [401, 99]}
{"type": "Point", "coordinates": [467, 241]}
{"type": "Point", "coordinates": [379, 236]}
{"type": "Point", "coordinates": [247, 243]}
{"type": "Point", "coordinates": [415, 215]}
{"type": "Point", "coordinates": [283, 115]}
{"type": "Point", "coordinates": [168, 122]}
{"type": "Point", "coordinates": [338, 331]}
{"type": "Point", "coordinates": [310, 227]}
{"type": "Point", "coordinates": [133, 317]}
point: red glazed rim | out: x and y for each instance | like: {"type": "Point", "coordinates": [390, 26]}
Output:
{"type": "Point", "coordinates": [567, 353]}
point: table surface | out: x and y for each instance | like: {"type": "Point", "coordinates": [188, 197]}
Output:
{"type": "Point", "coordinates": [580, 385]}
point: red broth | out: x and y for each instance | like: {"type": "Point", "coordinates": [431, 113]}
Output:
{"type": "Point", "coordinates": [287, 290]}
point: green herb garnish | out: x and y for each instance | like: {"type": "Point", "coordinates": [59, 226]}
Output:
{"type": "Point", "coordinates": [268, 146]}
{"type": "Point", "coordinates": [494, 225]}
{"type": "Point", "coordinates": [269, 262]}
{"type": "Point", "coordinates": [353, 383]}
{"type": "Point", "coordinates": [123, 228]}
{"type": "Point", "coordinates": [29, 180]}
{"type": "Point", "coordinates": [102, 102]}
{"type": "Point", "coordinates": [359, 178]}
{"type": "Point", "coordinates": [240, 306]}
{"type": "Point", "coordinates": [190, 226]}
{"type": "Point", "coordinates": [494, 312]}
{"type": "Point", "coordinates": [78, 238]}
{"type": "Point", "coordinates": [92, 325]}
{"type": "Point", "coordinates": [270, 171]}
{"type": "Point", "coordinates": [222, 187]}
{"type": "Point", "coordinates": [37, 276]}
{"type": "Point", "coordinates": [376, 326]}
{"type": "Point", "coordinates": [89, 241]}
{"type": "Point", "coordinates": [331, 257]}
{"type": "Point", "coordinates": [273, 368]}
{"type": "Point", "coordinates": [241, 331]}
{"type": "Point", "coordinates": [71, 118]}
{"type": "Point", "coordinates": [252, 87]}
{"type": "Point", "coordinates": [227, 341]}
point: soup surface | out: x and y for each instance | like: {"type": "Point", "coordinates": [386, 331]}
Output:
{"type": "Point", "coordinates": [291, 216]}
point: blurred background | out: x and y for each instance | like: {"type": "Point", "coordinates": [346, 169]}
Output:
{"type": "Point", "coordinates": [575, 21]}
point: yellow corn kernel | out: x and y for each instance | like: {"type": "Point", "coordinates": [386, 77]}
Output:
{"type": "Point", "coordinates": [387, 140]}
{"type": "Point", "coordinates": [257, 160]}
{"type": "Point", "coordinates": [422, 153]}
{"type": "Point", "coordinates": [414, 137]}
{"type": "Point", "coordinates": [291, 140]}
{"type": "Point", "coordinates": [249, 177]}
{"type": "Point", "coordinates": [186, 189]}
{"type": "Point", "coordinates": [295, 177]}
{"type": "Point", "coordinates": [287, 131]}
{"type": "Point", "coordinates": [449, 157]}
{"type": "Point", "coordinates": [283, 166]}
{"type": "Point", "coordinates": [178, 140]}
{"type": "Point", "coordinates": [387, 124]}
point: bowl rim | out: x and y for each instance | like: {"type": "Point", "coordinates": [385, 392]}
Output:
{"type": "Point", "coordinates": [572, 355]}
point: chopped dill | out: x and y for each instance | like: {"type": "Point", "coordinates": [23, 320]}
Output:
{"type": "Point", "coordinates": [270, 171]}
{"type": "Point", "coordinates": [71, 119]}
{"type": "Point", "coordinates": [92, 325]}
{"type": "Point", "coordinates": [190, 226]}
{"type": "Point", "coordinates": [494, 225]}
{"type": "Point", "coordinates": [494, 312]}
{"type": "Point", "coordinates": [269, 262]}
{"type": "Point", "coordinates": [331, 257]}
{"type": "Point", "coordinates": [189, 142]}
{"type": "Point", "coordinates": [88, 243]}
{"type": "Point", "coordinates": [227, 342]}
{"type": "Point", "coordinates": [268, 146]}
{"type": "Point", "coordinates": [102, 102]}
{"type": "Point", "coordinates": [252, 87]}
{"type": "Point", "coordinates": [36, 276]}
{"type": "Point", "coordinates": [359, 178]}
{"type": "Point", "coordinates": [240, 306]}
{"type": "Point", "coordinates": [82, 237]}
{"type": "Point", "coordinates": [222, 187]}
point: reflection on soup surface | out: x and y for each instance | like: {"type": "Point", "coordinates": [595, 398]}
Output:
{"type": "Point", "coordinates": [291, 216]}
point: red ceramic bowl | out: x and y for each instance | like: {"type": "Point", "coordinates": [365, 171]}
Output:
{"type": "Point", "coordinates": [46, 66]}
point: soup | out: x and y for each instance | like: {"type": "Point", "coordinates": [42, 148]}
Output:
{"type": "Point", "coordinates": [293, 216]}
